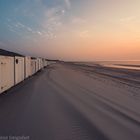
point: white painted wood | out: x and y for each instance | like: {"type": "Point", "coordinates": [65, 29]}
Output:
{"type": "Point", "coordinates": [27, 67]}
{"type": "Point", "coordinates": [19, 69]}
{"type": "Point", "coordinates": [40, 65]}
{"type": "Point", "coordinates": [44, 62]}
{"type": "Point", "coordinates": [34, 66]}
{"type": "Point", "coordinates": [6, 73]}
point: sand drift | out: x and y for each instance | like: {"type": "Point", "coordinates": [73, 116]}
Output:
{"type": "Point", "coordinates": [70, 101]}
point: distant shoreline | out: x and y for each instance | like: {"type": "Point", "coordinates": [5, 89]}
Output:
{"type": "Point", "coordinates": [127, 65]}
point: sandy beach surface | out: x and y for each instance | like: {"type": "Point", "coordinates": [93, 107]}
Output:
{"type": "Point", "coordinates": [68, 101]}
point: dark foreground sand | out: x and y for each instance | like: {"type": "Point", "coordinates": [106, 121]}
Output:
{"type": "Point", "coordinates": [74, 102]}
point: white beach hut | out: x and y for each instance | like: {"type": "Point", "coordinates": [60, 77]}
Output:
{"type": "Point", "coordinates": [34, 65]}
{"type": "Point", "coordinates": [27, 66]}
{"type": "Point", "coordinates": [44, 62]}
{"type": "Point", "coordinates": [6, 73]}
{"type": "Point", "coordinates": [19, 69]}
{"type": "Point", "coordinates": [39, 64]}
{"type": "Point", "coordinates": [6, 70]}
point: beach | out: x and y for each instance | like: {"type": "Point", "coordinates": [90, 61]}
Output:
{"type": "Point", "coordinates": [74, 101]}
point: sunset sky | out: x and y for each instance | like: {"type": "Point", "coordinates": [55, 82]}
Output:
{"type": "Point", "coordinates": [72, 29]}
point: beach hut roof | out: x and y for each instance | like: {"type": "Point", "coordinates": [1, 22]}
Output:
{"type": "Point", "coordinates": [8, 53]}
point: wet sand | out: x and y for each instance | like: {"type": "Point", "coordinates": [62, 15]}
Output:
{"type": "Point", "coordinates": [128, 65]}
{"type": "Point", "coordinates": [69, 101]}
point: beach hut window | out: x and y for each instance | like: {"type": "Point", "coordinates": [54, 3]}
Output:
{"type": "Point", "coordinates": [16, 61]}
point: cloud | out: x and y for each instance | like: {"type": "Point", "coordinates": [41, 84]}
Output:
{"type": "Point", "coordinates": [40, 33]}
{"type": "Point", "coordinates": [51, 12]}
{"type": "Point", "coordinates": [53, 19]}
{"type": "Point", "coordinates": [68, 3]}
{"type": "Point", "coordinates": [128, 19]}
{"type": "Point", "coordinates": [78, 20]}
{"type": "Point", "coordinates": [29, 29]}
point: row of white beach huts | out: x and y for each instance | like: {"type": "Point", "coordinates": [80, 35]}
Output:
{"type": "Point", "coordinates": [15, 68]}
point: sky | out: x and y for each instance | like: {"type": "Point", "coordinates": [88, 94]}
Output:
{"type": "Point", "coordinates": [79, 30]}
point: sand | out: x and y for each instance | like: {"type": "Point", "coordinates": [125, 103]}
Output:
{"type": "Point", "coordinates": [69, 101]}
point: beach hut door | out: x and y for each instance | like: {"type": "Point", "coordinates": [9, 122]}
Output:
{"type": "Point", "coordinates": [3, 74]}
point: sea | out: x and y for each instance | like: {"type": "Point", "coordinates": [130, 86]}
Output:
{"type": "Point", "coordinates": [131, 64]}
